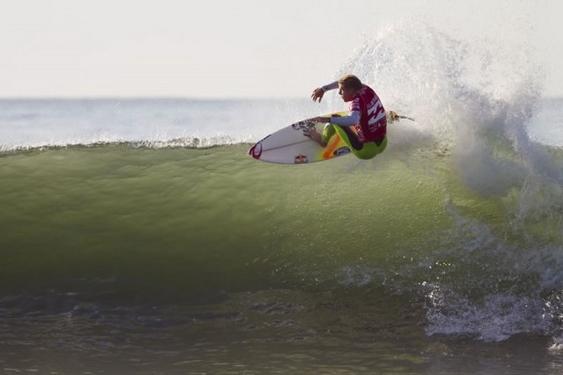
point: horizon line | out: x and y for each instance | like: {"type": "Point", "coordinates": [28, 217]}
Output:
{"type": "Point", "coordinates": [148, 97]}
{"type": "Point", "coordinates": [174, 97]}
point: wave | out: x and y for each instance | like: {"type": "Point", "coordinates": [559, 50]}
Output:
{"type": "Point", "coordinates": [462, 214]}
{"type": "Point", "coordinates": [477, 100]}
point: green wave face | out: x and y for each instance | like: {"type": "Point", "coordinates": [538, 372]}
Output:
{"type": "Point", "coordinates": [194, 223]}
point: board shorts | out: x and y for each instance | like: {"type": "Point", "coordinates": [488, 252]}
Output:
{"type": "Point", "coordinates": [364, 151]}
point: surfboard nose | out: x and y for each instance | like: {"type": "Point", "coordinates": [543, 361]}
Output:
{"type": "Point", "coordinates": [256, 151]}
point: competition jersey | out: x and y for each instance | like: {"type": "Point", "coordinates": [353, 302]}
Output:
{"type": "Point", "coordinates": [373, 123]}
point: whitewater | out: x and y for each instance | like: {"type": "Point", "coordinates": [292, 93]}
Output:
{"type": "Point", "coordinates": [138, 236]}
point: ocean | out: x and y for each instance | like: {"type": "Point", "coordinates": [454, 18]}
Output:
{"type": "Point", "coordinates": [138, 237]}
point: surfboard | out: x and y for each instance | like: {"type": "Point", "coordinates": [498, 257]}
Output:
{"type": "Point", "coordinates": [291, 145]}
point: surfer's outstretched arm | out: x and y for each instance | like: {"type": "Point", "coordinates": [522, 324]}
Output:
{"type": "Point", "coordinates": [352, 119]}
{"type": "Point", "coordinates": [330, 86]}
{"type": "Point", "coordinates": [318, 93]}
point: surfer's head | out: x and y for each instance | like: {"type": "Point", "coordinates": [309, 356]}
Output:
{"type": "Point", "coordinates": [349, 86]}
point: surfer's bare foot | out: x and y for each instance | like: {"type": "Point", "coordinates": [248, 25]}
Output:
{"type": "Point", "coordinates": [316, 136]}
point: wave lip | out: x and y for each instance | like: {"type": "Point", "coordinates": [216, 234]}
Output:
{"type": "Point", "coordinates": [182, 142]}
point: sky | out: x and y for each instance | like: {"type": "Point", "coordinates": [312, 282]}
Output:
{"type": "Point", "coordinates": [243, 48]}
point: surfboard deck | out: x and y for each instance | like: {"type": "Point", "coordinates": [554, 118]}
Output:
{"type": "Point", "coordinates": [291, 145]}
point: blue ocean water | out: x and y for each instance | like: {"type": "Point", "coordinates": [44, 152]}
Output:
{"type": "Point", "coordinates": [157, 122]}
{"type": "Point", "coordinates": [52, 122]}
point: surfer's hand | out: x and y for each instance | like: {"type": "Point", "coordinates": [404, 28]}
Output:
{"type": "Point", "coordinates": [317, 94]}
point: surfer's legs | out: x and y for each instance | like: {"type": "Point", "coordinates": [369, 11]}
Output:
{"type": "Point", "coordinates": [362, 150]}
{"type": "Point", "coordinates": [328, 132]}
{"type": "Point", "coordinates": [371, 149]}
{"type": "Point", "coordinates": [315, 136]}
{"type": "Point", "coordinates": [352, 137]}
{"type": "Point", "coordinates": [366, 150]}
{"type": "Point", "coordinates": [347, 135]}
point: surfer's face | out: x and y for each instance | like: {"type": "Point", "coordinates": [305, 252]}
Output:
{"type": "Point", "coordinates": [346, 93]}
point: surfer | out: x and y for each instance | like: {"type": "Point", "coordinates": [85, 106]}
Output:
{"type": "Point", "coordinates": [364, 129]}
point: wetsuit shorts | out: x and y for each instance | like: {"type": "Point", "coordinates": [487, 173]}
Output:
{"type": "Point", "coordinates": [365, 150]}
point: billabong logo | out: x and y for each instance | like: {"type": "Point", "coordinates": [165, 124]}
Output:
{"type": "Point", "coordinates": [256, 151]}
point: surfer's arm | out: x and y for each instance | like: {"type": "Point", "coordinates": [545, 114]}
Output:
{"type": "Point", "coordinates": [318, 93]}
{"type": "Point", "coordinates": [330, 86]}
{"type": "Point", "coordinates": [352, 119]}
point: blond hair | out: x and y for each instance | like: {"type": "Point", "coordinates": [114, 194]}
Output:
{"type": "Point", "coordinates": [350, 81]}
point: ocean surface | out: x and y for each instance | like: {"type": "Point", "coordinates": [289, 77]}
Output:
{"type": "Point", "coordinates": [138, 237]}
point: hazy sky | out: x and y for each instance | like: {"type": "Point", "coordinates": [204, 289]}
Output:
{"type": "Point", "coordinates": [242, 48]}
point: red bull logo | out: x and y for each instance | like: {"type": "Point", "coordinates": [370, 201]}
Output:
{"type": "Point", "coordinates": [301, 159]}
